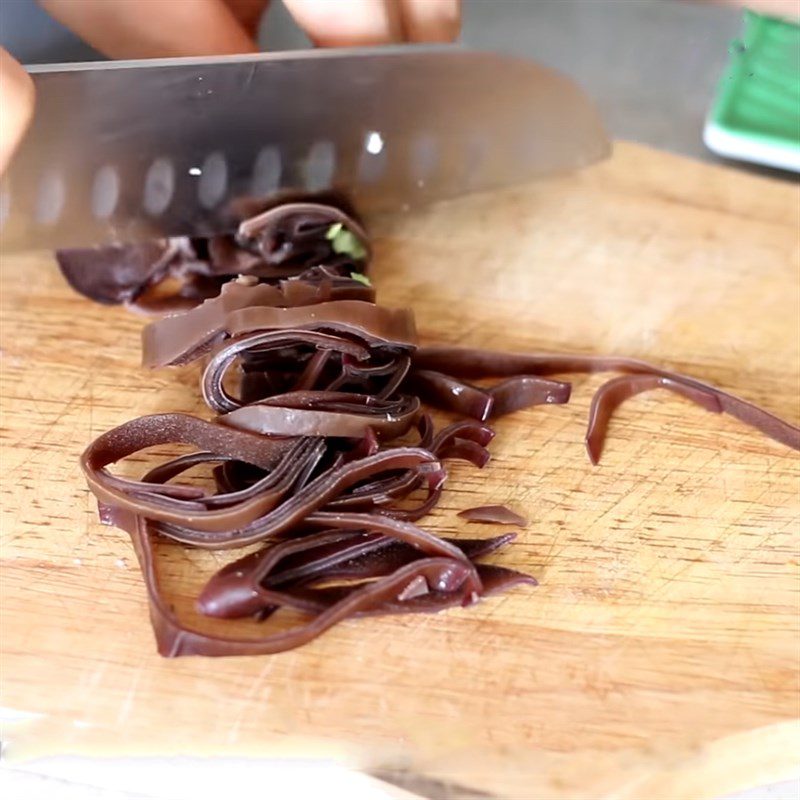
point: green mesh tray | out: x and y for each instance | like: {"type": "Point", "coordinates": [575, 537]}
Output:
{"type": "Point", "coordinates": [756, 114]}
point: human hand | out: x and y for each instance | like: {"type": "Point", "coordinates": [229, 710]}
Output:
{"type": "Point", "coordinates": [16, 105]}
{"type": "Point", "coordinates": [125, 29]}
{"type": "Point", "coordinates": [777, 8]}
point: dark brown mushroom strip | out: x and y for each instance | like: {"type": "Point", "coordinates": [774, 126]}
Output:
{"type": "Point", "coordinates": [185, 337]}
{"type": "Point", "coordinates": [368, 322]}
{"type": "Point", "coordinates": [616, 391]}
{"type": "Point", "coordinates": [232, 592]}
{"type": "Point", "coordinates": [379, 492]}
{"type": "Point", "coordinates": [367, 446]}
{"type": "Point", "coordinates": [498, 515]}
{"type": "Point", "coordinates": [470, 363]}
{"type": "Point", "coordinates": [310, 375]}
{"type": "Point", "coordinates": [295, 235]}
{"type": "Point", "coordinates": [290, 241]}
{"type": "Point", "coordinates": [331, 414]}
{"type": "Point", "coordinates": [415, 513]}
{"type": "Point", "coordinates": [118, 273]}
{"type": "Point", "coordinates": [417, 599]}
{"type": "Point", "coordinates": [323, 285]}
{"type": "Point", "coordinates": [239, 589]}
{"type": "Point", "coordinates": [525, 391]}
{"type": "Point", "coordinates": [282, 458]}
{"type": "Point", "coordinates": [399, 529]}
{"type": "Point", "coordinates": [444, 391]}
{"type": "Point", "coordinates": [214, 393]}
{"type": "Point", "coordinates": [186, 282]}
{"type": "Point", "coordinates": [465, 450]}
{"type": "Point", "coordinates": [319, 475]}
{"type": "Point", "coordinates": [377, 560]}
{"type": "Point", "coordinates": [360, 557]}
{"type": "Point", "coordinates": [291, 473]}
{"type": "Point", "coordinates": [160, 429]}
{"type": "Point", "coordinates": [248, 517]}
{"type": "Point", "coordinates": [513, 394]}
{"type": "Point", "coordinates": [465, 441]}
{"type": "Point", "coordinates": [456, 579]}
{"type": "Point", "coordinates": [362, 374]}
{"type": "Point", "coordinates": [319, 369]}
{"type": "Point", "coordinates": [426, 431]}
{"type": "Point", "coordinates": [182, 338]}
{"type": "Point", "coordinates": [229, 258]}
{"type": "Point", "coordinates": [396, 369]}
{"type": "Point", "coordinates": [175, 638]}
{"type": "Point", "coordinates": [382, 496]}
{"type": "Point", "coordinates": [285, 362]}
{"type": "Point", "coordinates": [379, 495]}
{"type": "Point", "coordinates": [471, 431]}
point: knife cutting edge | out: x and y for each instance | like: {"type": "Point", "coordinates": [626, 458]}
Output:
{"type": "Point", "coordinates": [124, 150]}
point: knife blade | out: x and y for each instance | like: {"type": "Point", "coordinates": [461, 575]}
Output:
{"type": "Point", "coordinates": [121, 151]}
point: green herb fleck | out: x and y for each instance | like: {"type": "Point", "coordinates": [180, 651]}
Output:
{"type": "Point", "coordinates": [357, 276]}
{"type": "Point", "coordinates": [344, 242]}
{"type": "Point", "coordinates": [334, 231]}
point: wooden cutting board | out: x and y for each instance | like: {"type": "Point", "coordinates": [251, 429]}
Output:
{"type": "Point", "coordinates": [659, 655]}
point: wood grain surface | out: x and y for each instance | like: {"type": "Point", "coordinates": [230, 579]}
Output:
{"type": "Point", "coordinates": [659, 655]}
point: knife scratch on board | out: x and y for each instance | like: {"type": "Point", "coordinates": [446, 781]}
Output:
{"type": "Point", "coordinates": [127, 703]}
{"type": "Point", "coordinates": [247, 704]}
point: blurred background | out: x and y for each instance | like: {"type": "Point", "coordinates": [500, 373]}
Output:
{"type": "Point", "coordinates": [651, 65]}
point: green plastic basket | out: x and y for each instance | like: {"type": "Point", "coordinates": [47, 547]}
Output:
{"type": "Point", "coordinates": [756, 113]}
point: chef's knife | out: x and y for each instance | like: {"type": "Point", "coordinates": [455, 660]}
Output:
{"type": "Point", "coordinates": [120, 151]}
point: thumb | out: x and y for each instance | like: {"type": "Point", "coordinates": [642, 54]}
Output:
{"type": "Point", "coordinates": [16, 105]}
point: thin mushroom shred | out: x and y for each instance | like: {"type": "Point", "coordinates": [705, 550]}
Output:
{"type": "Point", "coordinates": [499, 515]}
{"type": "Point", "coordinates": [321, 452]}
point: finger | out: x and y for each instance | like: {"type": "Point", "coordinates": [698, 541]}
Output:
{"type": "Point", "coordinates": [16, 105]}
{"type": "Point", "coordinates": [779, 8]}
{"type": "Point", "coordinates": [248, 13]}
{"type": "Point", "coordinates": [348, 23]}
{"type": "Point", "coordinates": [134, 29]}
{"type": "Point", "coordinates": [431, 20]}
